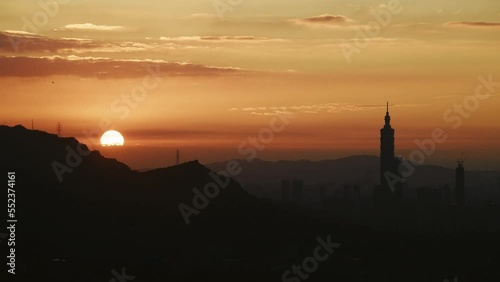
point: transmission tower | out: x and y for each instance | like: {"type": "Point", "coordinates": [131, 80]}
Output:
{"type": "Point", "coordinates": [59, 129]}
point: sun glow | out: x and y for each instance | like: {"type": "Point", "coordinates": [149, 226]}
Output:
{"type": "Point", "coordinates": [112, 138]}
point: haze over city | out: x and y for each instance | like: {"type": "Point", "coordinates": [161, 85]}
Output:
{"type": "Point", "coordinates": [216, 74]}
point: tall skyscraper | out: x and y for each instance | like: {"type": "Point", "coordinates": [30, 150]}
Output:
{"type": "Point", "coordinates": [388, 190]}
{"type": "Point", "coordinates": [460, 183]}
{"type": "Point", "coordinates": [386, 148]}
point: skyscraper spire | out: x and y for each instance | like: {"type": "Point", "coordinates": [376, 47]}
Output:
{"type": "Point", "coordinates": [389, 166]}
{"type": "Point", "coordinates": [387, 117]}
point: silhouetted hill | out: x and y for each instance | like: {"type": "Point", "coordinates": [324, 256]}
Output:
{"type": "Point", "coordinates": [104, 216]}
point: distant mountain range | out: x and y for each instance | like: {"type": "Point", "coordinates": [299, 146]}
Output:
{"type": "Point", "coordinates": [360, 170]}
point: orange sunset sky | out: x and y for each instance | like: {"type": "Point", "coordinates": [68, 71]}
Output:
{"type": "Point", "coordinates": [213, 73]}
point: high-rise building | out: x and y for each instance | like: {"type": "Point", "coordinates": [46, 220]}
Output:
{"type": "Point", "coordinates": [460, 183]}
{"type": "Point", "coordinates": [390, 185]}
{"type": "Point", "coordinates": [386, 148]}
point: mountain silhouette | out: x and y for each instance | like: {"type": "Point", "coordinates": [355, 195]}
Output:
{"type": "Point", "coordinates": [103, 216]}
{"type": "Point", "coordinates": [362, 170]}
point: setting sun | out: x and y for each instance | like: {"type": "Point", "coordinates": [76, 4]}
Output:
{"type": "Point", "coordinates": [112, 138]}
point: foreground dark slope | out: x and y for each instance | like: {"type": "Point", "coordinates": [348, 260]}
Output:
{"type": "Point", "coordinates": [104, 216]}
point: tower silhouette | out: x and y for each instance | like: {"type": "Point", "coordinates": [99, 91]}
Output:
{"type": "Point", "coordinates": [59, 129]}
{"type": "Point", "coordinates": [386, 148]}
{"type": "Point", "coordinates": [388, 190]}
{"type": "Point", "coordinates": [460, 183]}
{"type": "Point", "coordinates": [178, 158]}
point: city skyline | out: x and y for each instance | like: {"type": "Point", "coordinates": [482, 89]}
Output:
{"type": "Point", "coordinates": [263, 140]}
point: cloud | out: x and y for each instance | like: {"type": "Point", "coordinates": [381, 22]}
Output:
{"type": "Point", "coordinates": [445, 96]}
{"type": "Point", "coordinates": [16, 41]}
{"type": "Point", "coordinates": [218, 38]}
{"type": "Point", "coordinates": [325, 20]}
{"type": "Point", "coordinates": [93, 27]}
{"type": "Point", "coordinates": [202, 16]}
{"type": "Point", "coordinates": [13, 41]}
{"type": "Point", "coordinates": [102, 67]}
{"type": "Point", "coordinates": [313, 109]}
{"type": "Point", "coordinates": [28, 43]}
{"type": "Point", "coordinates": [474, 24]}
{"type": "Point", "coordinates": [19, 32]}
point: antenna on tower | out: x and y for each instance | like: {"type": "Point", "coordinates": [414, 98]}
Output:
{"type": "Point", "coordinates": [177, 161]}
{"type": "Point", "coordinates": [461, 159]}
{"type": "Point", "coordinates": [59, 129]}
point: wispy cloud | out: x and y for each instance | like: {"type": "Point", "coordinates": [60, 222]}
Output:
{"type": "Point", "coordinates": [325, 20]}
{"type": "Point", "coordinates": [474, 24]}
{"type": "Point", "coordinates": [14, 41]}
{"type": "Point", "coordinates": [102, 67]}
{"type": "Point", "coordinates": [202, 16]}
{"type": "Point", "coordinates": [314, 109]}
{"type": "Point", "coordinates": [18, 41]}
{"type": "Point", "coordinates": [247, 38]}
{"type": "Point", "coordinates": [93, 27]}
{"type": "Point", "coordinates": [445, 96]}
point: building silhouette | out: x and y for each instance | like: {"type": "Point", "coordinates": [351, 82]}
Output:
{"type": "Point", "coordinates": [322, 194]}
{"type": "Point", "coordinates": [285, 190]}
{"type": "Point", "coordinates": [297, 185]}
{"type": "Point", "coordinates": [447, 194]}
{"type": "Point", "coordinates": [352, 194]}
{"type": "Point", "coordinates": [430, 196]}
{"type": "Point", "coordinates": [390, 188]}
{"type": "Point", "coordinates": [460, 183]}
